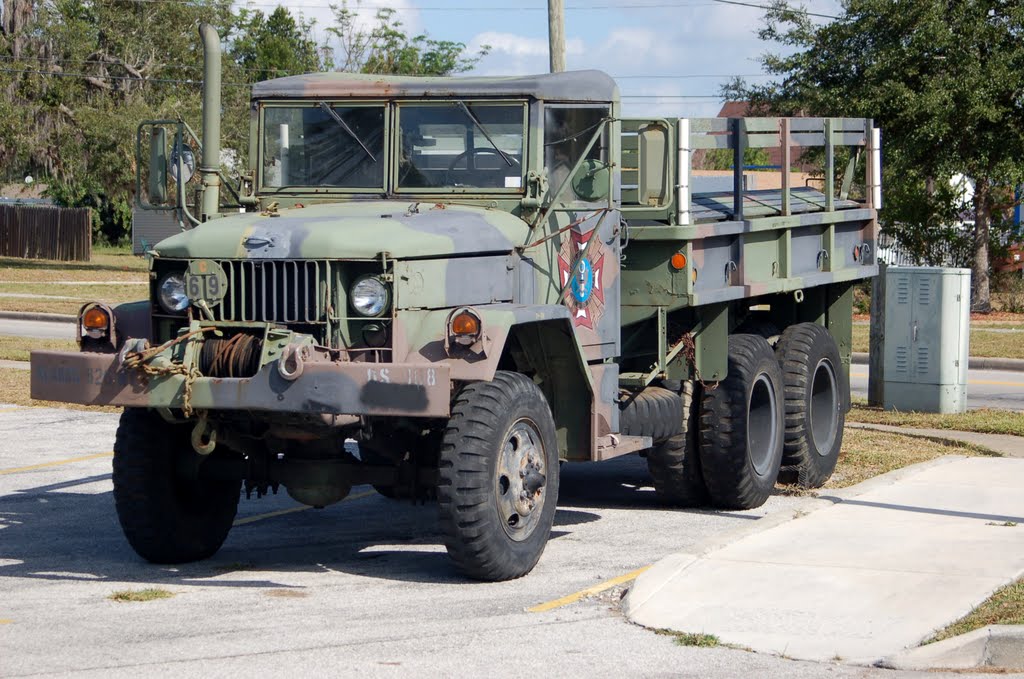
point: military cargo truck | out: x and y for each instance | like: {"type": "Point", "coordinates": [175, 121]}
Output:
{"type": "Point", "coordinates": [475, 280]}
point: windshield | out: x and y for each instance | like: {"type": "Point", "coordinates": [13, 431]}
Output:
{"type": "Point", "coordinates": [461, 144]}
{"type": "Point", "coordinates": [308, 146]}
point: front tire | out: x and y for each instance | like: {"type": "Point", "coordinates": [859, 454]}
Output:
{"type": "Point", "coordinates": [817, 398]}
{"type": "Point", "coordinates": [498, 477]}
{"type": "Point", "coordinates": [167, 518]}
{"type": "Point", "coordinates": [742, 427]}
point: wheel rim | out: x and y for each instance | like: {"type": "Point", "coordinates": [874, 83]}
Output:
{"type": "Point", "coordinates": [824, 408]}
{"type": "Point", "coordinates": [762, 425]}
{"type": "Point", "coordinates": [521, 480]}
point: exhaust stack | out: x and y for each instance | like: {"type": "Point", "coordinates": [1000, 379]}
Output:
{"type": "Point", "coordinates": [210, 163]}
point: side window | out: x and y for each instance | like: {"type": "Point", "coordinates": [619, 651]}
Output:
{"type": "Point", "coordinates": [567, 131]}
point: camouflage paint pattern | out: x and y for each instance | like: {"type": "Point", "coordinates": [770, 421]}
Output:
{"type": "Point", "coordinates": [561, 283]}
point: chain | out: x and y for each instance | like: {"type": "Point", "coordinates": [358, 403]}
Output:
{"type": "Point", "coordinates": [690, 352]}
{"type": "Point", "coordinates": [139, 361]}
{"type": "Point", "coordinates": [565, 228]}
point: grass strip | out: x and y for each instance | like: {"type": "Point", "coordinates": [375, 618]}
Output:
{"type": "Point", "coordinates": [1005, 607]}
{"type": "Point", "coordinates": [982, 420]}
{"type": "Point", "coordinates": [984, 344]}
{"type": "Point", "coordinates": [867, 454]}
{"type": "Point", "coordinates": [15, 348]}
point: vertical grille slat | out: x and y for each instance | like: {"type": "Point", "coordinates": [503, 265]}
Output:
{"type": "Point", "coordinates": [297, 289]}
{"type": "Point", "coordinates": [273, 294]}
{"type": "Point", "coordinates": [277, 291]}
{"type": "Point", "coordinates": [315, 291]}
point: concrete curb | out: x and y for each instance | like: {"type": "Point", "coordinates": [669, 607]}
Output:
{"type": "Point", "coordinates": [995, 647]}
{"type": "Point", "coordinates": [975, 362]}
{"type": "Point", "coordinates": [32, 316]}
{"type": "Point", "coordinates": [15, 365]}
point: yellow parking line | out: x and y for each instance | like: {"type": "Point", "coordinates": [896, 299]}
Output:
{"type": "Point", "coordinates": [10, 410]}
{"type": "Point", "coordinates": [6, 622]}
{"type": "Point", "coordinates": [573, 598]}
{"type": "Point", "coordinates": [292, 510]}
{"type": "Point", "coordinates": [997, 383]}
{"type": "Point", "coordinates": [55, 463]}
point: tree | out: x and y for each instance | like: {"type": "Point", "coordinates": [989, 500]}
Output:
{"type": "Point", "coordinates": [80, 76]}
{"type": "Point", "coordinates": [387, 48]}
{"type": "Point", "coordinates": [274, 46]}
{"type": "Point", "coordinates": [942, 79]}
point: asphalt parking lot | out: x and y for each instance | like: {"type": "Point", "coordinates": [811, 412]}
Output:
{"type": "Point", "coordinates": [362, 587]}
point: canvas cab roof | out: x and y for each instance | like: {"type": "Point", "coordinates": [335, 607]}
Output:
{"type": "Point", "coordinates": [576, 86]}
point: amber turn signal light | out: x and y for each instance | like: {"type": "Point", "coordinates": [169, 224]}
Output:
{"type": "Point", "coordinates": [465, 324]}
{"type": "Point", "coordinates": [678, 261]}
{"type": "Point", "coordinates": [95, 319]}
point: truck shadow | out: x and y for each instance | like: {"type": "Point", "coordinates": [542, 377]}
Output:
{"type": "Point", "coordinates": [69, 531]}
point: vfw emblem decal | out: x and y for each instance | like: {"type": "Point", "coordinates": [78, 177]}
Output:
{"type": "Point", "coordinates": [584, 294]}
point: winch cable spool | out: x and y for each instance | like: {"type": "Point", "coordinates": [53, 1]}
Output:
{"type": "Point", "coordinates": [140, 360]}
{"type": "Point", "coordinates": [235, 356]}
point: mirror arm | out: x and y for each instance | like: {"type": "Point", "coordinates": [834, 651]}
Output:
{"type": "Point", "coordinates": [572, 173]}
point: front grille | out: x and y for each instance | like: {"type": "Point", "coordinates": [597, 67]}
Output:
{"type": "Point", "coordinates": [277, 291]}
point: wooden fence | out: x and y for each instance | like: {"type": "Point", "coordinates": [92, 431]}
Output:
{"type": "Point", "coordinates": [37, 232]}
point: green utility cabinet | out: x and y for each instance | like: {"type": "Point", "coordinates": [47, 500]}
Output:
{"type": "Point", "coordinates": [927, 332]}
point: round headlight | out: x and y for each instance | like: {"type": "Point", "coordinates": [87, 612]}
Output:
{"type": "Point", "coordinates": [171, 293]}
{"type": "Point", "coordinates": [369, 297]}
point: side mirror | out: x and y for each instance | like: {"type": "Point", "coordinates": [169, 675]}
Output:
{"type": "Point", "coordinates": [157, 192]}
{"type": "Point", "coordinates": [591, 181]}
{"type": "Point", "coordinates": [653, 165]}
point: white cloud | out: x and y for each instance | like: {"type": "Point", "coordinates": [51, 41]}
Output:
{"type": "Point", "coordinates": [519, 46]}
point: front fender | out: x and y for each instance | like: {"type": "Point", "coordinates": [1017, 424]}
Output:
{"type": "Point", "coordinates": [537, 340]}
{"type": "Point", "coordinates": [420, 336]}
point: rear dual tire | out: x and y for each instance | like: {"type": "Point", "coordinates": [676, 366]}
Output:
{"type": "Point", "coordinates": [816, 401]}
{"type": "Point", "coordinates": [674, 463]}
{"type": "Point", "coordinates": [741, 427]}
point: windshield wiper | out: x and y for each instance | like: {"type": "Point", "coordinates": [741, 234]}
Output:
{"type": "Point", "coordinates": [480, 126]}
{"type": "Point", "coordinates": [334, 114]}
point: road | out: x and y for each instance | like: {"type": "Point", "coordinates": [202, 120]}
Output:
{"type": "Point", "coordinates": [38, 329]}
{"type": "Point", "coordinates": [985, 388]}
{"type": "Point", "coordinates": [359, 588]}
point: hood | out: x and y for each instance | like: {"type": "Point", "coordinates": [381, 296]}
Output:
{"type": "Point", "coordinates": [354, 230]}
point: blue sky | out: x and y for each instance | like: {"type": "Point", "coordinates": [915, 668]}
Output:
{"type": "Point", "coordinates": [684, 49]}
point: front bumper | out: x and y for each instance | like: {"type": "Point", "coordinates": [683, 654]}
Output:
{"type": "Point", "coordinates": [343, 388]}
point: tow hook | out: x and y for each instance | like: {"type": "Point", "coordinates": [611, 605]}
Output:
{"type": "Point", "coordinates": [297, 356]}
{"type": "Point", "coordinates": [204, 436]}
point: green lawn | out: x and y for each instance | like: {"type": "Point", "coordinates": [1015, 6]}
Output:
{"type": "Point", "coordinates": [983, 344]}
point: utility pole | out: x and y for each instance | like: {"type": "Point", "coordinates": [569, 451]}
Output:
{"type": "Point", "coordinates": [556, 34]}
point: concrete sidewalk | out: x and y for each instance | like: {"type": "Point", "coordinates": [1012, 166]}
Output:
{"type": "Point", "coordinates": [876, 569]}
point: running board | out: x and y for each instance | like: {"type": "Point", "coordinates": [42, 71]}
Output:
{"type": "Point", "coordinates": [615, 445]}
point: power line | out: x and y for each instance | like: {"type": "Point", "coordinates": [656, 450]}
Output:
{"type": "Point", "coordinates": [199, 69]}
{"type": "Point", "coordinates": [179, 81]}
{"type": "Point", "coordinates": [466, 8]}
{"type": "Point", "coordinates": [754, 4]}
{"type": "Point", "coordinates": [471, 8]}
{"type": "Point", "coordinates": [687, 76]}
{"type": "Point", "coordinates": [248, 69]}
